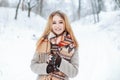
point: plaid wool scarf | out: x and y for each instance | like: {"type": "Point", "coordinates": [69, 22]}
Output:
{"type": "Point", "coordinates": [65, 48]}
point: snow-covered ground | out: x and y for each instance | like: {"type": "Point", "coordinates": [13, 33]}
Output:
{"type": "Point", "coordinates": [99, 45]}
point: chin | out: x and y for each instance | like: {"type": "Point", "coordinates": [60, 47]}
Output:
{"type": "Point", "coordinates": [58, 33]}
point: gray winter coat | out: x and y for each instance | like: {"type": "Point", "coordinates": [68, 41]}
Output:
{"type": "Point", "coordinates": [38, 65]}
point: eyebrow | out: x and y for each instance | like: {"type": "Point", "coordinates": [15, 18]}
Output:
{"type": "Point", "coordinates": [61, 20]}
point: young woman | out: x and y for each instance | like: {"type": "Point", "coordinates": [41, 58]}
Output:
{"type": "Point", "coordinates": [56, 56]}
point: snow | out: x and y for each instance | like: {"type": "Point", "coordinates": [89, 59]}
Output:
{"type": "Point", "coordinates": [99, 45]}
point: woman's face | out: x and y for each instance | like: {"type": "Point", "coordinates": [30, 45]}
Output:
{"type": "Point", "coordinates": [58, 25]}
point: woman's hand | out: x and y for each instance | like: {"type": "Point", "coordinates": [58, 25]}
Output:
{"type": "Point", "coordinates": [53, 63]}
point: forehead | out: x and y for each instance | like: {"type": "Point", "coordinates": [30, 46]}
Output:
{"type": "Point", "coordinates": [57, 17]}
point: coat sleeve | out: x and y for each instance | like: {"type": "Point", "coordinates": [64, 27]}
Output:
{"type": "Point", "coordinates": [70, 68]}
{"type": "Point", "coordinates": [38, 63]}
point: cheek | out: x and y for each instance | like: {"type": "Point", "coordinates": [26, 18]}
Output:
{"type": "Point", "coordinates": [53, 27]}
{"type": "Point", "coordinates": [63, 27]}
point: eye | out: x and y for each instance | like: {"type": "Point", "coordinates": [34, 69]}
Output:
{"type": "Point", "coordinates": [54, 23]}
{"type": "Point", "coordinates": [61, 22]}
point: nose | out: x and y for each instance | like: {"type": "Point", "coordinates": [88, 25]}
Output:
{"type": "Point", "coordinates": [57, 25]}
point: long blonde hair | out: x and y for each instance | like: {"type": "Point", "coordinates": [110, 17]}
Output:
{"type": "Point", "coordinates": [49, 24]}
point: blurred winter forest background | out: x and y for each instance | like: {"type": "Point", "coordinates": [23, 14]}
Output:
{"type": "Point", "coordinates": [94, 22]}
{"type": "Point", "coordinates": [75, 9]}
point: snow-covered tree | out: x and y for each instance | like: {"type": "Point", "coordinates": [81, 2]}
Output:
{"type": "Point", "coordinates": [17, 9]}
{"type": "Point", "coordinates": [118, 3]}
{"type": "Point", "coordinates": [79, 7]}
{"type": "Point", "coordinates": [30, 5]}
{"type": "Point", "coordinates": [38, 8]}
{"type": "Point", "coordinates": [95, 10]}
{"type": "Point", "coordinates": [4, 3]}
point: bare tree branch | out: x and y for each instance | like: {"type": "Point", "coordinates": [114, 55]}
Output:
{"type": "Point", "coordinates": [17, 9]}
